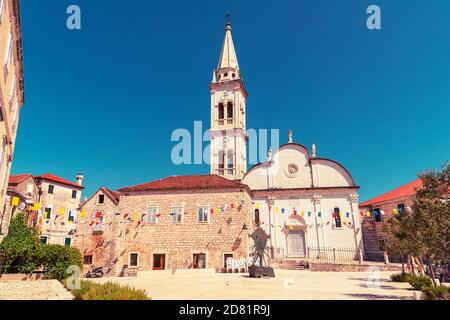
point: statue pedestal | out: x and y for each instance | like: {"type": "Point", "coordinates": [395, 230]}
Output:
{"type": "Point", "coordinates": [259, 272]}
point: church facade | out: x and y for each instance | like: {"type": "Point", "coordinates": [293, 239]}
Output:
{"type": "Point", "coordinates": [303, 201]}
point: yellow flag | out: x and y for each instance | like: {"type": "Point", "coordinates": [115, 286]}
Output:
{"type": "Point", "coordinates": [395, 211]}
{"type": "Point", "coordinates": [367, 213]}
{"type": "Point", "coordinates": [217, 210]}
{"type": "Point", "coordinates": [277, 209]}
{"type": "Point", "coordinates": [15, 201]}
{"type": "Point", "coordinates": [257, 205]}
{"type": "Point", "coordinates": [83, 214]}
{"type": "Point", "coordinates": [303, 213]}
{"type": "Point", "coordinates": [61, 211]}
{"type": "Point", "coordinates": [135, 217]}
{"type": "Point", "coordinates": [36, 206]}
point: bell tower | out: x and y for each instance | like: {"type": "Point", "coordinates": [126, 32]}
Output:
{"type": "Point", "coordinates": [228, 98]}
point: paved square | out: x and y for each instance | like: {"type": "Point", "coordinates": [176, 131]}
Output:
{"type": "Point", "coordinates": [288, 284]}
{"type": "Point", "coordinates": [33, 290]}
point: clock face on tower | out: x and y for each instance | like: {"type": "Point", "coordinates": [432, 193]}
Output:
{"type": "Point", "coordinates": [224, 142]}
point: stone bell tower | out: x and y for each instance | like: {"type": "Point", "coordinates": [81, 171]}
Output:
{"type": "Point", "coordinates": [228, 97]}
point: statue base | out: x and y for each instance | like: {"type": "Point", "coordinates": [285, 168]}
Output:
{"type": "Point", "coordinates": [259, 272]}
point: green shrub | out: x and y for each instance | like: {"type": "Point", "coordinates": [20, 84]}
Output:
{"type": "Point", "coordinates": [401, 277]}
{"type": "Point", "coordinates": [108, 291]}
{"type": "Point", "coordinates": [19, 250]}
{"type": "Point", "coordinates": [419, 282]}
{"type": "Point", "coordinates": [57, 258]}
{"type": "Point", "coordinates": [437, 293]}
{"type": "Point", "coordinates": [85, 286]}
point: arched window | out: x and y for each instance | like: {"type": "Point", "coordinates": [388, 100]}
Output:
{"type": "Point", "coordinates": [221, 111]}
{"type": "Point", "coordinates": [230, 163]}
{"type": "Point", "coordinates": [221, 160]}
{"type": "Point", "coordinates": [257, 216]}
{"type": "Point", "coordinates": [230, 110]}
{"type": "Point", "coordinates": [337, 217]}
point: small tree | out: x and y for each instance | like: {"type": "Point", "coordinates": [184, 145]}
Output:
{"type": "Point", "coordinates": [401, 237]}
{"type": "Point", "coordinates": [431, 210]}
{"type": "Point", "coordinates": [424, 230]}
{"type": "Point", "coordinates": [19, 250]}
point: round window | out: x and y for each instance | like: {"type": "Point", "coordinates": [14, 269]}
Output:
{"type": "Point", "coordinates": [291, 170]}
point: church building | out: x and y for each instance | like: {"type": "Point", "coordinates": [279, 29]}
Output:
{"type": "Point", "coordinates": [304, 202]}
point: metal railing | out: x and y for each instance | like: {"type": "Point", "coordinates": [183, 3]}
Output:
{"type": "Point", "coordinates": [350, 256]}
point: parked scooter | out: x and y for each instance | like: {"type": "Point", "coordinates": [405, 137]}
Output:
{"type": "Point", "coordinates": [95, 272]}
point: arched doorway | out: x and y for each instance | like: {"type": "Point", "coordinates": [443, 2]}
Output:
{"type": "Point", "coordinates": [295, 227]}
{"type": "Point", "coordinates": [296, 246]}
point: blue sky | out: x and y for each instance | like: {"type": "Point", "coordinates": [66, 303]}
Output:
{"type": "Point", "coordinates": [104, 100]}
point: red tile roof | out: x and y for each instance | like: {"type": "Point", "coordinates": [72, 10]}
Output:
{"type": "Point", "coordinates": [408, 189]}
{"type": "Point", "coordinates": [18, 178]}
{"type": "Point", "coordinates": [52, 177]}
{"type": "Point", "coordinates": [185, 182]}
{"type": "Point", "coordinates": [114, 195]}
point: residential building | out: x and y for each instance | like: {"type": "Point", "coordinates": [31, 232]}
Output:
{"type": "Point", "coordinates": [22, 194]}
{"type": "Point", "coordinates": [11, 96]}
{"type": "Point", "coordinates": [382, 208]}
{"type": "Point", "coordinates": [178, 222]}
{"type": "Point", "coordinates": [58, 200]}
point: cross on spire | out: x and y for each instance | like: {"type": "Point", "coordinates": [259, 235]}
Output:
{"type": "Point", "coordinates": [228, 15]}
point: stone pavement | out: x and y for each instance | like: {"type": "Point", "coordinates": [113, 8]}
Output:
{"type": "Point", "coordinates": [288, 284]}
{"type": "Point", "coordinates": [33, 290]}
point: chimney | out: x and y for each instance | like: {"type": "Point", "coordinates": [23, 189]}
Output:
{"type": "Point", "coordinates": [79, 179]}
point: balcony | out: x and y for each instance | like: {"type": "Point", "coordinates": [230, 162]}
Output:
{"type": "Point", "coordinates": [227, 121]}
{"type": "Point", "coordinates": [225, 171]}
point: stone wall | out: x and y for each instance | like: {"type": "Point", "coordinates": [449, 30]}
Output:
{"type": "Point", "coordinates": [178, 241]}
{"type": "Point", "coordinates": [373, 230]}
{"type": "Point", "coordinates": [328, 267]}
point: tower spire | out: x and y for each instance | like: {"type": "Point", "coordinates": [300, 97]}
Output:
{"type": "Point", "coordinates": [228, 101]}
{"type": "Point", "coordinates": [228, 59]}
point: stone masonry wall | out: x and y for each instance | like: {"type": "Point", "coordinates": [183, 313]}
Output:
{"type": "Point", "coordinates": [178, 241]}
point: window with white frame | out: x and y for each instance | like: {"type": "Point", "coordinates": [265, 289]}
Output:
{"type": "Point", "coordinates": [2, 153]}
{"type": "Point", "coordinates": [2, 7]}
{"type": "Point", "coordinates": [71, 216]}
{"type": "Point", "coordinates": [43, 239]}
{"type": "Point", "coordinates": [8, 53]}
{"type": "Point", "coordinates": [5, 179]}
{"type": "Point", "coordinates": [12, 93]}
{"type": "Point", "coordinates": [134, 259]}
{"type": "Point", "coordinates": [47, 213]}
{"type": "Point", "coordinates": [68, 241]}
{"type": "Point", "coordinates": [30, 188]}
{"type": "Point", "coordinates": [176, 214]}
{"type": "Point", "coordinates": [203, 213]}
{"type": "Point", "coordinates": [151, 214]}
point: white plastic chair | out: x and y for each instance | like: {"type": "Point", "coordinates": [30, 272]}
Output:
{"type": "Point", "coordinates": [236, 265]}
{"type": "Point", "coordinates": [242, 265]}
{"type": "Point", "coordinates": [229, 263]}
{"type": "Point", "coordinates": [249, 262]}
